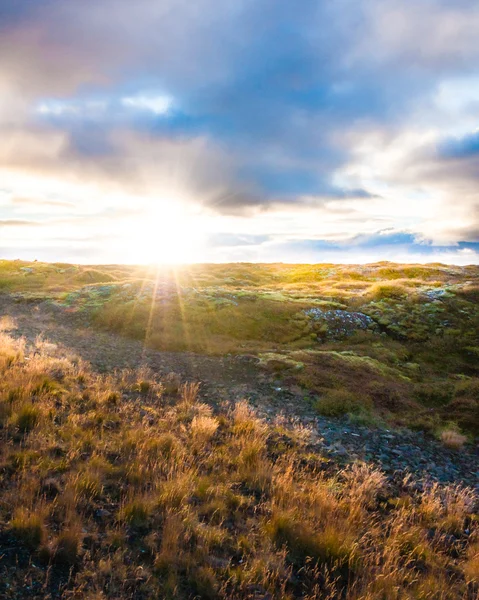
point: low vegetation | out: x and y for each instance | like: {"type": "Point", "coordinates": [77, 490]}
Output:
{"type": "Point", "coordinates": [394, 342]}
{"type": "Point", "coordinates": [123, 486]}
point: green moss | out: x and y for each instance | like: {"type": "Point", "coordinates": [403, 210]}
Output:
{"type": "Point", "coordinates": [335, 403]}
{"type": "Point", "coordinates": [279, 362]}
{"type": "Point", "coordinates": [350, 359]}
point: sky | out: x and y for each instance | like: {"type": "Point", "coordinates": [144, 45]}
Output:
{"type": "Point", "coordinates": [248, 130]}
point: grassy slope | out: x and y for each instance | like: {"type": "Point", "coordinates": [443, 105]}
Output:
{"type": "Point", "coordinates": [122, 486]}
{"type": "Point", "coordinates": [416, 364]}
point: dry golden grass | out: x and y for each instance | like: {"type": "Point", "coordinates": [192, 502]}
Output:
{"type": "Point", "coordinates": [471, 568]}
{"type": "Point", "coordinates": [453, 439]}
{"type": "Point", "coordinates": [122, 487]}
{"type": "Point", "coordinates": [203, 428]}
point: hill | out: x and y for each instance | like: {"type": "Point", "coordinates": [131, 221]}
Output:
{"type": "Point", "coordinates": [398, 342]}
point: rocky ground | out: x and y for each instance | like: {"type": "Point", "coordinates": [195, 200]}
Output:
{"type": "Point", "coordinates": [230, 378]}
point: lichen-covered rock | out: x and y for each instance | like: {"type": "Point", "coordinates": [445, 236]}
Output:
{"type": "Point", "coordinates": [338, 324]}
{"type": "Point", "coordinates": [438, 294]}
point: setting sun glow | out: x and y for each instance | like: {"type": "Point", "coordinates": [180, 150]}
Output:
{"type": "Point", "coordinates": [165, 233]}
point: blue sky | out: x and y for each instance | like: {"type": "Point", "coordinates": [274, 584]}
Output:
{"type": "Point", "coordinates": [246, 130]}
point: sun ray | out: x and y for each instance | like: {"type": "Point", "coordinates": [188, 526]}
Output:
{"type": "Point", "coordinates": [151, 313]}
{"type": "Point", "coordinates": [184, 321]}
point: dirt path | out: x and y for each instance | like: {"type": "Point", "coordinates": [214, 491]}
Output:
{"type": "Point", "coordinates": [230, 378]}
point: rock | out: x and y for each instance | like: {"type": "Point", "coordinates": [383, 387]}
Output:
{"type": "Point", "coordinates": [338, 449]}
{"type": "Point", "coordinates": [338, 324]}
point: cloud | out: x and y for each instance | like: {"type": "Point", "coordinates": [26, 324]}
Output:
{"type": "Point", "coordinates": [19, 223]}
{"type": "Point", "coordinates": [40, 203]}
{"type": "Point", "coordinates": [395, 246]}
{"type": "Point", "coordinates": [223, 240]}
{"type": "Point", "coordinates": [158, 105]}
{"type": "Point", "coordinates": [344, 111]}
{"type": "Point", "coordinates": [462, 147]}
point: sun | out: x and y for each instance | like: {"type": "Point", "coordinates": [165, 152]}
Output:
{"type": "Point", "coordinates": [168, 232]}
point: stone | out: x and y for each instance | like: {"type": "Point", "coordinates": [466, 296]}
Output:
{"type": "Point", "coordinates": [338, 324]}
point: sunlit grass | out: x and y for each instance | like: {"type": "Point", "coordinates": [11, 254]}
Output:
{"type": "Point", "coordinates": [128, 486]}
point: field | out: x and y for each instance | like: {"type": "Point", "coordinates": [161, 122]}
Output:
{"type": "Point", "coordinates": [396, 342]}
{"type": "Point", "coordinates": [122, 477]}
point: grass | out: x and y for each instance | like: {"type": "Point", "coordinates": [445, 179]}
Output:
{"type": "Point", "coordinates": [26, 418]}
{"type": "Point", "coordinates": [452, 439]}
{"type": "Point", "coordinates": [28, 528]}
{"type": "Point", "coordinates": [410, 363]}
{"type": "Point", "coordinates": [335, 403]}
{"type": "Point", "coordinates": [191, 503]}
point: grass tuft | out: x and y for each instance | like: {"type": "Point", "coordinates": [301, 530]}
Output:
{"type": "Point", "coordinates": [26, 418]}
{"type": "Point", "coordinates": [135, 513]}
{"type": "Point", "coordinates": [28, 528]}
{"type": "Point", "coordinates": [453, 439]}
